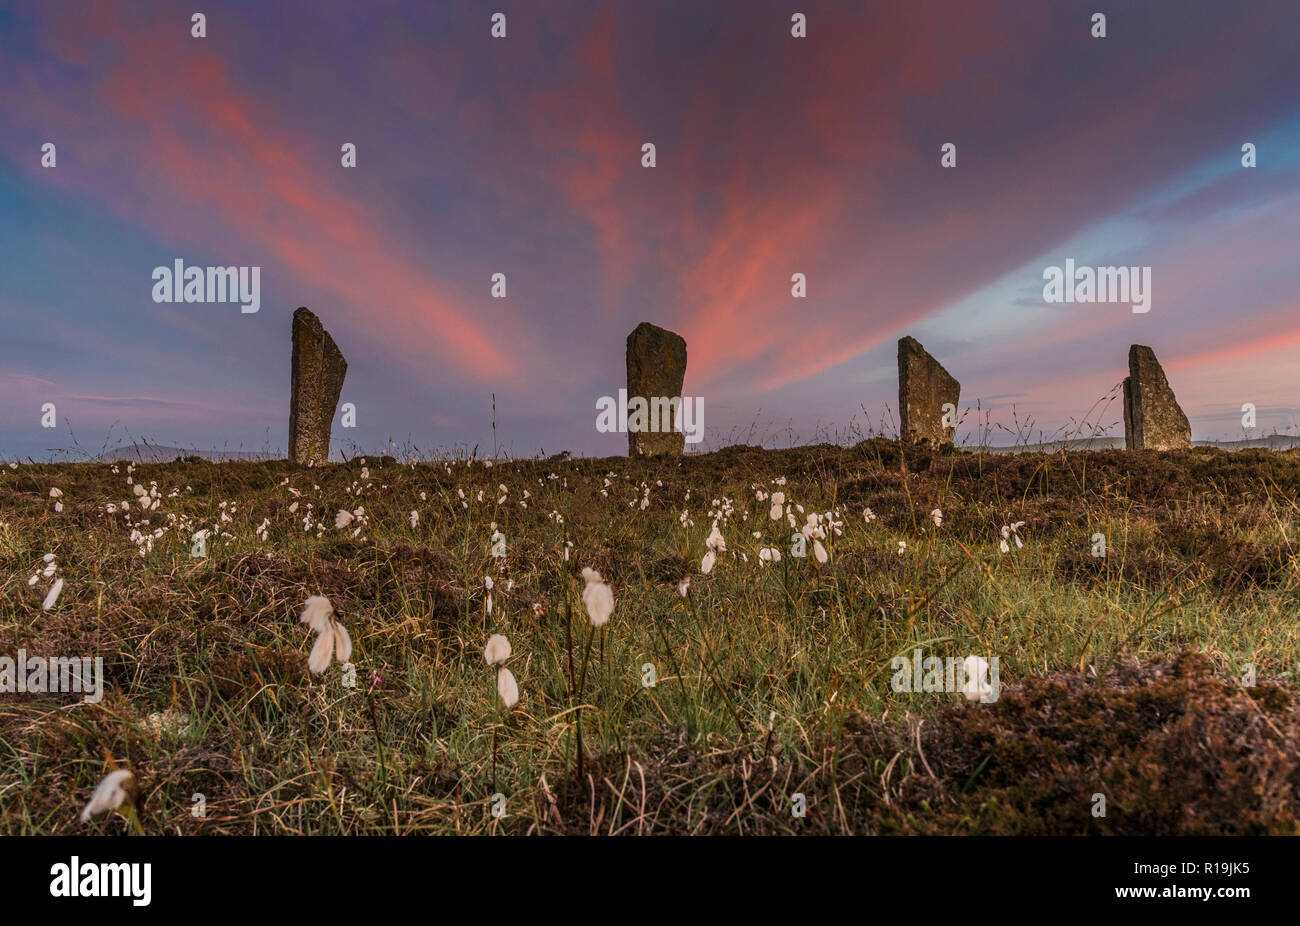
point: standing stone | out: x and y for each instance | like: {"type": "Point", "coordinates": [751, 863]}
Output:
{"type": "Point", "coordinates": [924, 388]}
{"type": "Point", "coordinates": [1152, 418]}
{"type": "Point", "coordinates": [656, 369]}
{"type": "Point", "coordinates": [316, 382]}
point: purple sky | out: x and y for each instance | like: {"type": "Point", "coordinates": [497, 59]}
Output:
{"type": "Point", "coordinates": [522, 155]}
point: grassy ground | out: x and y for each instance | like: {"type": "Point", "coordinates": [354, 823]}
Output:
{"type": "Point", "coordinates": [1120, 673]}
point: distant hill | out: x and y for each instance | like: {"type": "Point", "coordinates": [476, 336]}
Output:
{"type": "Point", "coordinates": [1272, 442]}
{"type": "Point", "coordinates": [156, 453]}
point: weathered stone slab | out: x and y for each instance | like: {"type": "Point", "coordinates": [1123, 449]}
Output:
{"type": "Point", "coordinates": [316, 381]}
{"type": "Point", "coordinates": [656, 369]}
{"type": "Point", "coordinates": [924, 388]}
{"type": "Point", "coordinates": [1152, 418]}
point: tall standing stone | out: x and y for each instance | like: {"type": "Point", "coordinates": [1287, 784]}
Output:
{"type": "Point", "coordinates": [1152, 418]}
{"type": "Point", "coordinates": [656, 369]}
{"type": "Point", "coordinates": [924, 388]}
{"type": "Point", "coordinates": [315, 385]}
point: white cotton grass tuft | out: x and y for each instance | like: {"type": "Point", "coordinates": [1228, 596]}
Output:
{"type": "Point", "coordinates": [684, 586]}
{"type": "Point", "coordinates": [937, 517]}
{"type": "Point", "coordinates": [507, 687]}
{"type": "Point", "coordinates": [53, 595]}
{"type": "Point", "coordinates": [497, 650]}
{"type": "Point", "coordinates": [716, 544]}
{"type": "Point", "coordinates": [343, 519]}
{"type": "Point", "coordinates": [118, 791]}
{"type": "Point", "coordinates": [331, 637]}
{"type": "Point", "coordinates": [495, 654]}
{"type": "Point", "coordinates": [976, 686]}
{"type": "Point", "coordinates": [1011, 532]}
{"type": "Point", "coordinates": [597, 596]}
{"type": "Point", "coordinates": [769, 555]}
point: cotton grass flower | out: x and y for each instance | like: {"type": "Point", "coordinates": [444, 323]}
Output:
{"type": "Point", "coordinates": [118, 791]}
{"type": "Point", "coordinates": [597, 596]}
{"type": "Point", "coordinates": [937, 517]}
{"type": "Point", "coordinates": [331, 636]}
{"type": "Point", "coordinates": [497, 650]}
{"type": "Point", "coordinates": [769, 555]}
{"type": "Point", "coordinates": [53, 595]}
{"type": "Point", "coordinates": [716, 544]}
{"type": "Point", "coordinates": [1011, 532]}
{"type": "Point", "coordinates": [976, 685]}
{"type": "Point", "coordinates": [778, 503]}
{"type": "Point", "coordinates": [495, 654]}
{"type": "Point", "coordinates": [343, 519]}
{"type": "Point", "coordinates": [507, 688]}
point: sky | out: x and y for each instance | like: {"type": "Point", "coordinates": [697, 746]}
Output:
{"type": "Point", "coordinates": [522, 155]}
